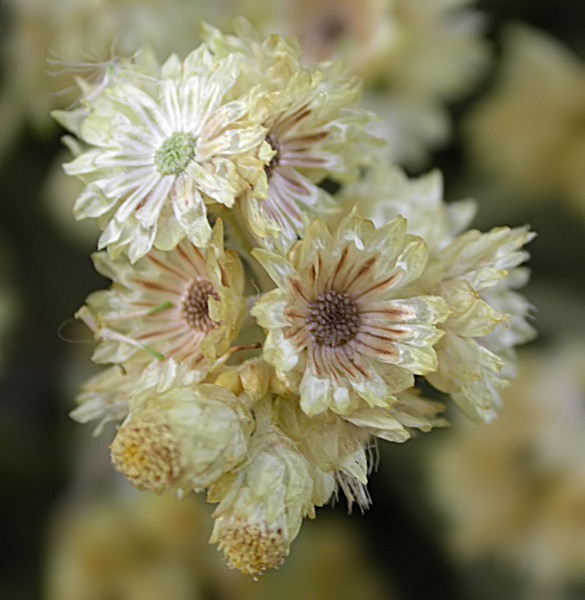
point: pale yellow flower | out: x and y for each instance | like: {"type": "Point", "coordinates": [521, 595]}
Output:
{"type": "Point", "coordinates": [314, 129]}
{"type": "Point", "coordinates": [182, 439]}
{"type": "Point", "coordinates": [346, 323]}
{"type": "Point", "coordinates": [476, 274]}
{"type": "Point", "coordinates": [262, 503]}
{"type": "Point", "coordinates": [159, 149]}
{"type": "Point", "coordinates": [386, 192]}
{"type": "Point", "coordinates": [339, 448]}
{"type": "Point", "coordinates": [185, 304]}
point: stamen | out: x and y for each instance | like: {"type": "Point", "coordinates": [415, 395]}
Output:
{"type": "Point", "coordinates": [275, 160]}
{"type": "Point", "coordinates": [147, 455]}
{"type": "Point", "coordinates": [195, 308]}
{"type": "Point", "coordinates": [175, 154]}
{"type": "Point", "coordinates": [333, 319]}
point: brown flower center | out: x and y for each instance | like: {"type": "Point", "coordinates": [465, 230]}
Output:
{"type": "Point", "coordinates": [195, 309]}
{"type": "Point", "coordinates": [333, 319]}
{"type": "Point", "coordinates": [275, 160]}
{"type": "Point", "coordinates": [332, 29]}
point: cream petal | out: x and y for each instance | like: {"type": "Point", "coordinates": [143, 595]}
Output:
{"type": "Point", "coordinates": [279, 269]}
{"type": "Point", "coordinates": [316, 394]}
{"type": "Point", "coordinates": [279, 352]}
{"type": "Point", "coordinates": [190, 211]}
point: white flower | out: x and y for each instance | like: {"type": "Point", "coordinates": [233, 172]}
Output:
{"type": "Point", "coordinates": [262, 503]}
{"type": "Point", "coordinates": [185, 304]}
{"type": "Point", "coordinates": [159, 150]}
{"type": "Point", "coordinates": [475, 275]}
{"type": "Point", "coordinates": [314, 130]}
{"type": "Point", "coordinates": [344, 321]}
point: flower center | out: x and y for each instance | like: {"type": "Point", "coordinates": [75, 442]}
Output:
{"type": "Point", "coordinates": [332, 29]}
{"type": "Point", "coordinates": [195, 309]}
{"type": "Point", "coordinates": [333, 319]}
{"type": "Point", "coordinates": [147, 455]}
{"type": "Point", "coordinates": [251, 548]}
{"type": "Point", "coordinates": [275, 160]}
{"type": "Point", "coordinates": [175, 154]}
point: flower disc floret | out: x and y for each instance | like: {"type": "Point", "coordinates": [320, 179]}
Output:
{"type": "Point", "coordinates": [175, 154]}
{"type": "Point", "coordinates": [147, 455]}
{"type": "Point", "coordinates": [184, 439]}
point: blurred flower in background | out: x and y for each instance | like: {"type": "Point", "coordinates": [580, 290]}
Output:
{"type": "Point", "coordinates": [139, 546]}
{"type": "Point", "coordinates": [48, 42]}
{"type": "Point", "coordinates": [515, 491]}
{"type": "Point", "coordinates": [527, 134]}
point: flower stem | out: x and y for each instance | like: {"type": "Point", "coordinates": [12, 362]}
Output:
{"type": "Point", "coordinates": [241, 240]}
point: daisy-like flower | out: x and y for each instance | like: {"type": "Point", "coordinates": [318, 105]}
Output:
{"type": "Point", "coordinates": [346, 322]}
{"type": "Point", "coordinates": [477, 275]}
{"type": "Point", "coordinates": [159, 150]}
{"type": "Point", "coordinates": [185, 304]}
{"type": "Point", "coordinates": [314, 129]}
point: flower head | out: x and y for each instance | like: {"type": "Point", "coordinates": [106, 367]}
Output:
{"type": "Point", "coordinates": [345, 321]}
{"type": "Point", "coordinates": [184, 304]}
{"type": "Point", "coordinates": [160, 149]}
{"type": "Point", "coordinates": [477, 276]}
{"type": "Point", "coordinates": [314, 129]}
{"type": "Point", "coordinates": [413, 56]}
{"type": "Point", "coordinates": [263, 502]}
{"type": "Point", "coordinates": [185, 438]}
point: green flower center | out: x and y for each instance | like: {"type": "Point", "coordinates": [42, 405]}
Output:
{"type": "Point", "coordinates": [175, 154]}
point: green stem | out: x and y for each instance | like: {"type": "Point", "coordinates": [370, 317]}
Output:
{"type": "Point", "coordinates": [243, 242]}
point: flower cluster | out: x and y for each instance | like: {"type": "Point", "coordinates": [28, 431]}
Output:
{"type": "Point", "coordinates": [264, 373]}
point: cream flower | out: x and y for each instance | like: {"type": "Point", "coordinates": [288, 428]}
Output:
{"type": "Point", "coordinates": [339, 448]}
{"type": "Point", "coordinates": [183, 439]}
{"type": "Point", "coordinates": [262, 503]}
{"type": "Point", "coordinates": [314, 129]}
{"type": "Point", "coordinates": [477, 273]}
{"type": "Point", "coordinates": [345, 322]}
{"type": "Point", "coordinates": [185, 304]}
{"type": "Point", "coordinates": [385, 192]}
{"type": "Point", "coordinates": [107, 396]}
{"type": "Point", "coordinates": [159, 150]}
